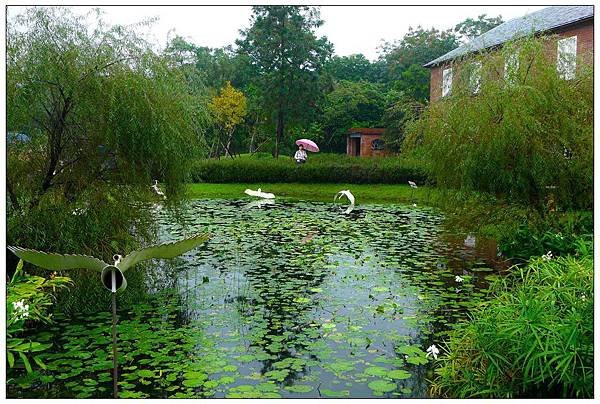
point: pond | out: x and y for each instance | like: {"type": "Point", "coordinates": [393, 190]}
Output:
{"type": "Point", "coordinates": [285, 300]}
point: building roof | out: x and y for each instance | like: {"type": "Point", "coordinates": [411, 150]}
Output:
{"type": "Point", "coordinates": [367, 131]}
{"type": "Point", "coordinates": [546, 19]}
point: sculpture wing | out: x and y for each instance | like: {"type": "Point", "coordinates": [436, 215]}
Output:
{"type": "Point", "coordinates": [170, 249]}
{"type": "Point", "coordinates": [58, 262]}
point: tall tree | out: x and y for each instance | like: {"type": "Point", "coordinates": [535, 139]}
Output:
{"type": "Point", "coordinates": [472, 28]}
{"type": "Point", "coordinates": [282, 45]}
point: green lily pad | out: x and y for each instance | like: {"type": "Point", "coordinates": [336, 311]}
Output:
{"type": "Point", "coordinates": [382, 386]}
{"type": "Point", "coordinates": [334, 393]}
{"type": "Point", "coordinates": [398, 374]}
{"type": "Point", "coordinates": [376, 371]}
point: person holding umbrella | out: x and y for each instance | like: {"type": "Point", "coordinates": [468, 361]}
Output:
{"type": "Point", "coordinates": [303, 144]}
{"type": "Point", "coordinates": [300, 155]}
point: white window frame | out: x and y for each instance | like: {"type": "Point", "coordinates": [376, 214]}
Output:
{"type": "Point", "coordinates": [446, 81]}
{"type": "Point", "coordinates": [566, 57]}
{"type": "Point", "coordinates": [475, 77]}
{"type": "Point", "coordinates": [511, 68]}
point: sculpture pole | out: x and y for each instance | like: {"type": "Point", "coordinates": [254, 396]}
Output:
{"type": "Point", "coordinates": [114, 335]}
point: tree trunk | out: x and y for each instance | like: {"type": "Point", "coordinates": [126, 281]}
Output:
{"type": "Point", "coordinates": [279, 133]}
{"type": "Point", "coordinates": [228, 146]}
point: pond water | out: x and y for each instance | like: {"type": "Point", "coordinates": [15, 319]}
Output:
{"type": "Point", "coordinates": [285, 300]}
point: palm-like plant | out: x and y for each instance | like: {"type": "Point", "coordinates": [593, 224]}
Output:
{"type": "Point", "coordinates": [112, 276]}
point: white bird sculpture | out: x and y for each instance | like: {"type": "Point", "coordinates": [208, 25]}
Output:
{"type": "Point", "coordinates": [259, 193]}
{"type": "Point", "coordinates": [348, 195]}
{"type": "Point", "coordinates": [259, 204]}
{"type": "Point", "coordinates": [157, 190]}
{"type": "Point", "coordinates": [413, 186]}
{"type": "Point", "coordinates": [112, 276]}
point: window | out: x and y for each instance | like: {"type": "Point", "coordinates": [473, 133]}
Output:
{"type": "Point", "coordinates": [475, 77]}
{"type": "Point", "coordinates": [566, 57]}
{"type": "Point", "coordinates": [511, 68]}
{"type": "Point", "coordinates": [377, 144]}
{"type": "Point", "coordinates": [446, 81]}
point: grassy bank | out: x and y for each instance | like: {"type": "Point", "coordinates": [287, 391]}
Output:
{"type": "Point", "coordinates": [379, 193]}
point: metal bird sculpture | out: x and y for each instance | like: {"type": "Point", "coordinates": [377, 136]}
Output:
{"type": "Point", "coordinates": [259, 193]}
{"type": "Point", "coordinates": [112, 276]}
{"type": "Point", "coordinates": [413, 186]}
{"type": "Point", "coordinates": [348, 195]}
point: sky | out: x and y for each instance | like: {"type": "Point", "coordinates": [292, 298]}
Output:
{"type": "Point", "coordinates": [351, 29]}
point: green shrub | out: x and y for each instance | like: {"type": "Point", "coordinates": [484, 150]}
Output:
{"type": "Point", "coordinates": [527, 137]}
{"type": "Point", "coordinates": [28, 300]}
{"type": "Point", "coordinates": [533, 340]}
{"type": "Point", "coordinates": [319, 169]}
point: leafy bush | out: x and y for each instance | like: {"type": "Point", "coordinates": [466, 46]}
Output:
{"type": "Point", "coordinates": [555, 232]}
{"type": "Point", "coordinates": [28, 299]}
{"type": "Point", "coordinates": [533, 340]}
{"type": "Point", "coordinates": [319, 169]}
{"type": "Point", "coordinates": [526, 134]}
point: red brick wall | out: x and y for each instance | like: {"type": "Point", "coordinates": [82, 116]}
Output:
{"type": "Point", "coordinates": [365, 146]}
{"type": "Point", "coordinates": [585, 49]}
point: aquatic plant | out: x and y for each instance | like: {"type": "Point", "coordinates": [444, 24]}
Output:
{"type": "Point", "coordinates": [531, 340]}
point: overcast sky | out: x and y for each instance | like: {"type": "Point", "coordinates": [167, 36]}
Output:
{"type": "Point", "coordinates": [351, 29]}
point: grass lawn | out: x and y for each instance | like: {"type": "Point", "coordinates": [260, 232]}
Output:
{"type": "Point", "coordinates": [364, 193]}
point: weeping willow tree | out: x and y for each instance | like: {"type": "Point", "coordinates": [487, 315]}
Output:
{"type": "Point", "coordinates": [94, 115]}
{"type": "Point", "coordinates": [513, 125]}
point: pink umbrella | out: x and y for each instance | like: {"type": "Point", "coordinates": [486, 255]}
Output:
{"type": "Point", "coordinates": [308, 145]}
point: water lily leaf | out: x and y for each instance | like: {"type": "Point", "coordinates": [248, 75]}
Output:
{"type": "Point", "coordinates": [382, 386]}
{"type": "Point", "coordinates": [398, 374]}
{"type": "Point", "coordinates": [333, 393]}
{"type": "Point", "coordinates": [376, 371]}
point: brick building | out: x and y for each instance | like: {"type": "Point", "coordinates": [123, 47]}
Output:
{"type": "Point", "coordinates": [363, 142]}
{"type": "Point", "coordinates": [573, 25]}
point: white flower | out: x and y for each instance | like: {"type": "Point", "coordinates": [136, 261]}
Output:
{"type": "Point", "coordinates": [583, 297]}
{"type": "Point", "coordinates": [457, 278]}
{"type": "Point", "coordinates": [414, 205]}
{"type": "Point", "coordinates": [547, 256]}
{"type": "Point", "coordinates": [432, 350]}
{"type": "Point", "coordinates": [21, 309]}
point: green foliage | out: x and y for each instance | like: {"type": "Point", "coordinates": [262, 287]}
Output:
{"type": "Point", "coordinates": [531, 340]}
{"type": "Point", "coordinates": [325, 168]}
{"type": "Point", "coordinates": [472, 28]}
{"type": "Point", "coordinates": [28, 300]}
{"type": "Point", "coordinates": [104, 115]}
{"type": "Point", "coordinates": [560, 234]}
{"type": "Point", "coordinates": [354, 68]}
{"type": "Point", "coordinates": [350, 104]}
{"type": "Point", "coordinates": [528, 137]}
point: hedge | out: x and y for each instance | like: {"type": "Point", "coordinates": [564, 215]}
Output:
{"type": "Point", "coordinates": [321, 169]}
